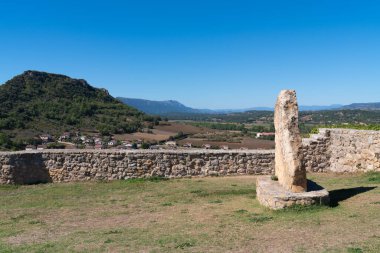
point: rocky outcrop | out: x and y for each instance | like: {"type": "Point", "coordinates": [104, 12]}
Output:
{"type": "Point", "coordinates": [288, 166]}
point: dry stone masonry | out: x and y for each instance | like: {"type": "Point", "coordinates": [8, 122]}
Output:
{"type": "Point", "coordinates": [342, 150]}
{"type": "Point", "coordinates": [26, 167]}
{"type": "Point", "coordinates": [316, 152]}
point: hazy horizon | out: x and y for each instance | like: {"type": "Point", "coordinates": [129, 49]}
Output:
{"type": "Point", "coordinates": [255, 106]}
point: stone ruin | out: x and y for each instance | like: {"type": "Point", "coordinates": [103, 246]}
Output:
{"type": "Point", "coordinates": [290, 186]}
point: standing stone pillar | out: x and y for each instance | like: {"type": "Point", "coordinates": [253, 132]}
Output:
{"type": "Point", "coordinates": [292, 187]}
{"type": "Point", "coordinates": [291, 174]}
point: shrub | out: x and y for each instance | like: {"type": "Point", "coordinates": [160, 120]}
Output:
{"type": "Point", "coordinates": [274, 178]}
{"type": "Point", "coordinates": [55, 145]}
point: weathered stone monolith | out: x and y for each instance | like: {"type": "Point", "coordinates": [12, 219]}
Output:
{"type": "Point", "coordinates": [289, 170]}
{"type": "Point", "coordinates": [292, 188]}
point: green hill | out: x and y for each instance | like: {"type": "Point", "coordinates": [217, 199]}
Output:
{"type": "Point", "coordinates": [37, 102]}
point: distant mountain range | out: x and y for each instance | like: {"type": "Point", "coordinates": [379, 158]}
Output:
{"type": "Point", "coordinates": [161, 107]}
{"type": "Point", "coordinates": [175, 107]}
{"type": "Point", "coordinates": [363, 106]}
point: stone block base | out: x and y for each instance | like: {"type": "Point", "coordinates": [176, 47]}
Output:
{"type": "Point", "coordinates": [271, 194]}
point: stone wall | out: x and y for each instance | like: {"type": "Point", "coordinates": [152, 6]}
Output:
{"type": "Point", "coordinates": [316, 153]}
{"type": "Point", "coordinates": [354, 150]}
{"type": "Point", "coordinates": [342, 150]}
{"type": "Point", "coordinates": [334, 150]}
{"type": "Point", "coordinates": [26, 167]}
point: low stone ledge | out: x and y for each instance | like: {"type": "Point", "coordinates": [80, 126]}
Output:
{"type": "Point", "coordinates": [272, 195]}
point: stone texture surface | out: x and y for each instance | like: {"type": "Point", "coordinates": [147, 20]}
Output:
{"type": "Point", "coordinates": [342, 150]}
{"type": "Point", "coordinates": [27, 167]}
{"type": "Point", "coordinates": [272, 195]}
{"type": "Point", "coordinates": [288, 166]}
{"type": "Point", "coordinates": [316, 152]}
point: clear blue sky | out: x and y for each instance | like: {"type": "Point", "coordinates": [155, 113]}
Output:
{"type": "Point", "coordinates": [206, 54]}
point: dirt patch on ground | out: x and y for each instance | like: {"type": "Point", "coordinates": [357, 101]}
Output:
{"type": "Point", "coordinates": [156, 135]}
{"type": "Point", "coordinates": [246, 142]}
{"type": "Point", "coordinates": [161, 132]}
{"type": "Point", "coordinates": [184, 128]}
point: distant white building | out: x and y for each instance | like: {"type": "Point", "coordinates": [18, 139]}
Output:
{"type": "Point", "coordinates": [224, 147]}
{"type": "Point", "coordinates": [65, 136]}
{"type": "Point", "coordinates": [171, 144]}
{"type": "Point", "coordinates": [128, 145]}
{"type": "Point", "coordinates": [30, 147]}
{"type": "Point", "coordinates": [112, 143]}
{"type": "Point", "coordinates": [258, 135]}
{"type": "Point", "coordinates": [206, 146]}
{"type": "Point", "coordinates": [46, 137]}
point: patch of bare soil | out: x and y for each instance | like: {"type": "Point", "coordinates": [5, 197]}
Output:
{"type": "Point", "coordinates": [184, 128]}
{"type": "Point", "coordinates": [65, 222]}
{"type": "Point", "coordinates": [247, 142]}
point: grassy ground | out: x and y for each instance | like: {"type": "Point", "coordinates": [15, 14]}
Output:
{"type": "Point", "coordinates": [187, 215]}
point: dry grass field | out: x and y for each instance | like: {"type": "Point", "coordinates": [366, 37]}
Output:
{"type": "Point", "coordinates": [164, 131]}
{"type": "Point", "coordinates": [246, 142]}
{"type": "Point", "coordinates": [187, 215]}
{"type": "Point", "coordinates": [182, 127]}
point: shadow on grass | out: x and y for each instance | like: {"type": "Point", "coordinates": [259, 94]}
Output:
{"type": "Point", "coordinates": [337, 196]}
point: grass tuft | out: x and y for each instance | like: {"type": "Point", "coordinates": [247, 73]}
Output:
{"type": "Point", "coordinates": [354, 250]}
{"type": "Point", "coordinates": [147, 179]}
{"type": "Point", "coordinates": [373, 177]}
{"type": "Point", "coordinates": [217, 201]}
{"type": "Point", "coordinates": [18, 218]}
{"type": "Point", "coordinates": [108, 241]}
{"type": "Point", "coordinates": [35, 222]}
{"type": "Point", "coordinates": [259, 218]}
{"type": "Point", "coordinates": [113, 232]}
{"type": "Point", "coordinates": [302, 209]}
{"type": "Point", "coordinates": [185, 245]}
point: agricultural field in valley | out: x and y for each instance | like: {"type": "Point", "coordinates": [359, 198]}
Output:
{"type": "Point", "coordinates": [216, 135]}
